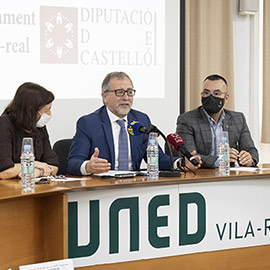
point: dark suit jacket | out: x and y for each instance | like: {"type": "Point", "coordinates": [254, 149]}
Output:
{"type": "Point", "coordinates": [194, 128]}
{"type": "Point", "coordinates": [94, 130]}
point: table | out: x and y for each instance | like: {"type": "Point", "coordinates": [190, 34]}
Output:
{"type": "Point", "coordinates": [34, 226]}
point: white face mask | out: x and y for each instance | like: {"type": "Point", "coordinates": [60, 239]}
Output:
{"type": "Point", "coordinates": [43, 120]}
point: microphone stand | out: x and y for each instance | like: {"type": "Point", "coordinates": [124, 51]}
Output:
{"type": "Point", "coordinates": [190, 170]}
{"type": "Point", "coordinates": [172, 172]}
{"type": "Point", "coordinates": [183, 163]}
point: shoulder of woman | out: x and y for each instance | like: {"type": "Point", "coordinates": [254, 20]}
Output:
{"type": "Point", "coordinates": [5, 121]}
{"type": "Point", "coordinates": [7, 129]}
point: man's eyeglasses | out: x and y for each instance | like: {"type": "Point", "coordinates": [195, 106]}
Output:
{"type": "Point", "coordinates": [215, 93]}
{"type": "Point", "coordinates": [121, 92]}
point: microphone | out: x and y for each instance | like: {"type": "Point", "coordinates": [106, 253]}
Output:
{"type": "Point", "coordinates": [178, 145]}
{"type": "Point", "coordinates": [135, 129]}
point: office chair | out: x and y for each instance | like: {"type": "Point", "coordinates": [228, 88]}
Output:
{"type": "Point", "coordinates": [61, 148]}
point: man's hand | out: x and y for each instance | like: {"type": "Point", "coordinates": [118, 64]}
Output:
{"type": "Point", "coordinates": [244, 158]}
{"type": "Point", "coordinates": [190, 165]}
{"type": "Point", "coordinates": [96, 164]}
{"type": "Point", "coordinates": [233, 155]}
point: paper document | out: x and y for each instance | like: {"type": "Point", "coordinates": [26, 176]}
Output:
{"type": "Point", "coordinates": [116, 174]}
{"type": "Point", "coordinates": [248, 169]}
{"type": "Point", "coordinates": [67, 178]}
{"type": "Point", "coordinates": [54, 265]}
{"type": "Point", "coordinates": [61, 179]}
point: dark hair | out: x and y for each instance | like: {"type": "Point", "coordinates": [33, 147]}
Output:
{"type": "Point", "coordinates": [215, 77]}
{"type": "Point", "coordinates": [28, 100]}
{"type": "Point", "coordinates": [116, 74]}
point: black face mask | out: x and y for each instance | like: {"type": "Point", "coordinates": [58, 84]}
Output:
{"type": "Point", "coordinates": [212, 104]}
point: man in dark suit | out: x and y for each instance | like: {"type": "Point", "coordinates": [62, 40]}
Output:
{"type": "Point", "coordinates": [200, 128]}
{"type": "Point", "coordinates": [96, 145]}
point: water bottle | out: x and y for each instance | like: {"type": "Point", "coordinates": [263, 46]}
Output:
{"type": "Point", "coordinates": [224, 154]}
{"type": "Point", "coordinates": [27, 166]}
{"type": "Point", "coordinates": [152, 156]}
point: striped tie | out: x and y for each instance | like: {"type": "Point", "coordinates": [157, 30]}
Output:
{"type": "Point", "coordinates": [122, 147]}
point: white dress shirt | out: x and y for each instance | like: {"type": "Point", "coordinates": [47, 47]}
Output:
{"type": "Point", "coordinates": [115, 131]}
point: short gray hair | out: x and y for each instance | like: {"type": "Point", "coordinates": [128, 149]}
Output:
{"type": "Point", "coordinates": [116, 74]}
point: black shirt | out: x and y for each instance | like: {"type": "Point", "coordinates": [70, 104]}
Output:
{"type": "Point", "coordinates": [11, 144]}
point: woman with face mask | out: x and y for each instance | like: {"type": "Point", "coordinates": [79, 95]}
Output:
{"type": "Point", "coordinates": [27, 116]}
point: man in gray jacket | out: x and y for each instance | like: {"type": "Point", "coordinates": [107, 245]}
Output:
{"type": "Point", "coordinates": [201, 127]}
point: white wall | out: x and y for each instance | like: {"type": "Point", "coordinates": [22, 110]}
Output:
{"type": "Point", "coordinates": [247, 73]}
{"type": "Point", "coordinates": [241, 30]}
{"type": "Point", "coordinates": [162, 111]}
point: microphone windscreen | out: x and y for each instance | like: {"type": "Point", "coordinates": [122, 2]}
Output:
{"type": "Point", "coordinates": [175, 141]}
{"type": "Point", "coordinates": [134, 128]}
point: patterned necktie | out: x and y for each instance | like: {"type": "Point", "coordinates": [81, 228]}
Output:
{"type": "Point", "coordinates": [122, 147]}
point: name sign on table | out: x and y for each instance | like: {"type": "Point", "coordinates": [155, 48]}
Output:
{"type": "Point", "coordinates": [135, 223]}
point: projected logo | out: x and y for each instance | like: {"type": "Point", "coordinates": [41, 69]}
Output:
{"type": "Point", "coordinates": [58, 35]}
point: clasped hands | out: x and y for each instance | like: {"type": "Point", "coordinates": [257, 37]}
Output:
{"type": "Point", "coordinates": [41, 169]}
{"type": "Point", "coordinates": [244, 158]}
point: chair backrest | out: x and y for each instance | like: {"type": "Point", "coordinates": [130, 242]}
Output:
{"type": "Point", "coordinates": [61, 148]}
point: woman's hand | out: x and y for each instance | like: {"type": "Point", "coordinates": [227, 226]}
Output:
{"type": "Point", "coordinates": [44, 168]}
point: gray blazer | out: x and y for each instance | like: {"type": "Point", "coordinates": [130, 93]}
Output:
{"type": "Point", "coordinates": [194, 128]}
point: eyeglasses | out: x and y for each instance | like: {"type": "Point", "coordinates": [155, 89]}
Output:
{"type": "Point", "coordinates": [121, 92]}
{"type": "Point", "coordinates": [215, 93]}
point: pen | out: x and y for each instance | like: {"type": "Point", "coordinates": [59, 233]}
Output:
{"type": "Point", "coordinates": [141, 174]}
{"type": "Point", "coordinates": [237, 148]}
